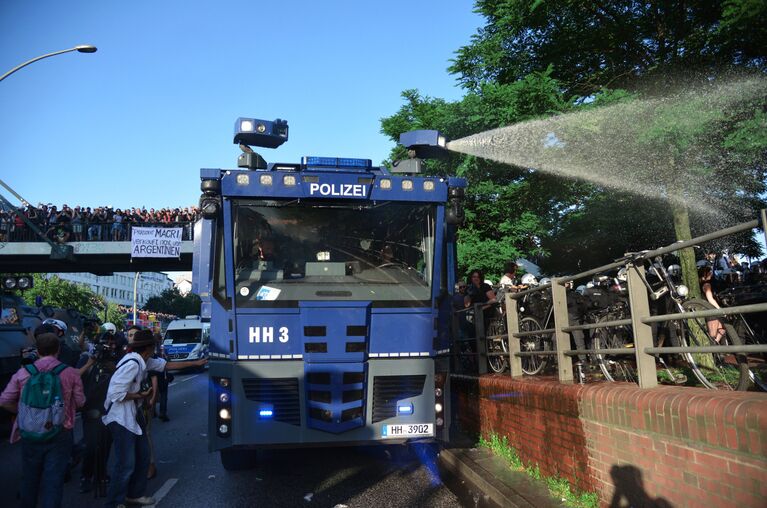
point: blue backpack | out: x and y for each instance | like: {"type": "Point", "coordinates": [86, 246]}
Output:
{"type": "Point", "coordinates": [41, 408]}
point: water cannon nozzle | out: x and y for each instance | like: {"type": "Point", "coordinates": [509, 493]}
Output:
{"type": "Point", "coordinates": [426, 144]}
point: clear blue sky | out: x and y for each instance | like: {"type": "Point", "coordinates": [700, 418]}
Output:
{"type": "Point", "coordinates": [132, 124]}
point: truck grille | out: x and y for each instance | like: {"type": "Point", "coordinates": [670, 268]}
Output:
{"type": "Point", "coordinates": [281, 394]}
{"type": "Point", "coordinates": [387, 390]}
{"type": "Point", "coordinates": [335, 397]}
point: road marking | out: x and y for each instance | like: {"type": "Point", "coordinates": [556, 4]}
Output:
{"type": "Point", "coordinates": [183, 380]}
{"type": "Point", "coordinates": [164, 490]}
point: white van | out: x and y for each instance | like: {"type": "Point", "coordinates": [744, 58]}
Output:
{"type": "Point", "coordinates": [187, 339]}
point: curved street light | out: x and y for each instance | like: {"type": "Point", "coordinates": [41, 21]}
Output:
{"type": "Point", "coordinates": [86, 48]}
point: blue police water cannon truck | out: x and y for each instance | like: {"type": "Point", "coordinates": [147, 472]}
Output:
{"type": "Point", "coordinates": [327, 286]}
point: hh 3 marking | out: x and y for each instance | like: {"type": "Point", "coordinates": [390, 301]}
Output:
{"type": "Point", "coordinates": [265, 334]}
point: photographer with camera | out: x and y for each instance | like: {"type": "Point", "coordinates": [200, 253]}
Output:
{"type": "Point", "coordinates": [128, 390]}
{"type": "Point", "coordinates": [96, 374]}
{"type": "Point", "coordinates": [124, 419]}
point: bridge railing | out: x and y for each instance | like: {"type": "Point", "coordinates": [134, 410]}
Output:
{"type": "Point", "coordinates": [90, 232]}
{"type": "Point", "coordinates": [643, 350]}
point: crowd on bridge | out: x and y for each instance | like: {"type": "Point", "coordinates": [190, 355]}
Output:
{"type": "Point", "coordinates": [115, 380]}
{"type": "Point", "coordinates": [81, 223]}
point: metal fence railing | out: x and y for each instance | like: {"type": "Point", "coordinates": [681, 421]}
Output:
{"type": "Point", "coordinates": [86, 232]}
{"type": "Point", "coordinates": [644, 350]}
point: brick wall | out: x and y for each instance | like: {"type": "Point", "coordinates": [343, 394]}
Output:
{"type": "Point", "coordinates": [679, 445]}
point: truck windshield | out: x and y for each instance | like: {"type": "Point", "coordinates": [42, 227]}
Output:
{"type": "Point", "coordinates": [289, 251]}
{"type": "Point", "coordinates": [183, 336]}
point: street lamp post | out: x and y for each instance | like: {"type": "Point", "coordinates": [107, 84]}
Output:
{"type": "Point", "coordinates": [80, 49]}
{"type": "Point", "coordinates": [135, 294]}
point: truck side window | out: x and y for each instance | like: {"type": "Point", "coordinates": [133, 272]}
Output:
{"type": "Point", "coordinates": [219, 280]}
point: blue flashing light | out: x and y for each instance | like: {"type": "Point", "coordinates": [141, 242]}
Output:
{"type": "Point", "coordinates": [266, 413]}
{"type": "Point", "coordinates": [337, 162]}
{"type": "Point", "coordinates": [405, 409]}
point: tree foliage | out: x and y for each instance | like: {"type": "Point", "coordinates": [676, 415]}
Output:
{"type": "Point", "coordinates": [62, 294]}
{"type": "Point", "coordinates": [508, 209]}
{"type": "Point", "coordinates": [534, 59]}
{"type": "Point", "coordinates": [171, 301]}
{"type": "Point", "coordinates": [593, 45]}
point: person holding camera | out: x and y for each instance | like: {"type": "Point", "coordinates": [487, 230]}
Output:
{"type": "Point", "coordinates": [96, 373]}
{"type": "Point", "coordinates": [124, 419]}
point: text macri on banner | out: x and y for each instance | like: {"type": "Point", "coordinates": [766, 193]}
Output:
{"type": "Point", "coordinates": [154, 242]}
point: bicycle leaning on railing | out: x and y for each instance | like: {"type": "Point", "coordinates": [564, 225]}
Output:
{"type": "Point", "coordinates": [629, 335]}
{"type": "Point", "coordinates": [713, 370]}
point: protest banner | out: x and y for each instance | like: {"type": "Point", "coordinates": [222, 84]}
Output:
{"type": "Point", "coordinates": [155, 242]}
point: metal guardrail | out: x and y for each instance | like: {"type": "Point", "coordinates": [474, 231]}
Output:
{"type": "Point", "coordinates": [640, 320]}
{"type": "Point", "coordinates": [90, 232]}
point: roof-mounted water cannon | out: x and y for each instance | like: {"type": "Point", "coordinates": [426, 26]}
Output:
{"type": "Point", "coordinates": [420, 144]}
{"type": "Point", "coordinates": [254, 132]}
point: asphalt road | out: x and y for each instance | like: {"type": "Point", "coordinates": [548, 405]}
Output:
{"type": "Point", "coordinates": [189, 476]}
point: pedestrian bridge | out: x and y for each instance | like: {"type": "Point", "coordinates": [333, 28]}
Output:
{"type": "Point", "coordinates": [94, 257]}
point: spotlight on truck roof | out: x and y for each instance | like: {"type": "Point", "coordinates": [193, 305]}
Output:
{"type": "Point", "coordinates": [427, 144]}
{"type": "Point", "coordinates": [263, 133]}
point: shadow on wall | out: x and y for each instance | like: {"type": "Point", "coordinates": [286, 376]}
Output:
{"type": "Point", "coordinates": [629, 490]}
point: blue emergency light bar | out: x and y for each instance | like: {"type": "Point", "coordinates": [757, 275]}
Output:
{"type": "Point", "coordinates": [266, 413]}
{"type": "Point", "coordinates": [336, 162]}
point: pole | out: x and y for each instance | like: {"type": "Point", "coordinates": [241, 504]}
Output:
{"type": "Point", "coordinates": [80, 49]}
{"type": "Point", "coordinates": [16, 195]}
{"type": "Point", "coordinates": [135, 294]}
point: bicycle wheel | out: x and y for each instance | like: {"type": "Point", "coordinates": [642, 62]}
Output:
{"type": "Point", "coordinates": [717, 371]}
{"type": "Point", "coordinates": [616, 367]}
{"type": "Point", "coordinates": [498, 363]}
{"type": "Point", "coordinates": [532, 365]}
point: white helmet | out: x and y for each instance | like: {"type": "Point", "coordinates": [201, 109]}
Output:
{"type": "Point", "coordinates": [61, 325]}
{"type": "Point", "coordinates": [529, 279]}
{"type": "Point", "coordinates": [580, 289]}
{"type": "Point", "coordinates": [622, 275]}
{"type": "Point", "coordinates": [110, 328]}
{"type": "Point", "coordinates": [544, 280]}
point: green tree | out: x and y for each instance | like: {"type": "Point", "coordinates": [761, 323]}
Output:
{"type": "Point", "coordinates": [593, 45]}
{"type": "Point", "coordinates": [62, 294]}
{"type": "Point", "coordinates": [171, 301]}
{"type": "Point", "coordinates": [508, 209]}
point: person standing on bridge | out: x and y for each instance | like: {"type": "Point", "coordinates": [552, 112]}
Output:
{"type": "Point", "coordinates": [45, 458]}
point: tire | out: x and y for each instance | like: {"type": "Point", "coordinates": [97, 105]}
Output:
{"type": "Point", "coordinates": [757, 362]}
{"type": "Point", "coordinates": [716, 371]}
{"type": "Point", "coordinates": [532, 365]}
{"type": "Point", "coordinates": [615, 367]}
{"type": "Point", "coordinates": [234, 459]}
{"type": "Point", "coordinates": [497, 364]}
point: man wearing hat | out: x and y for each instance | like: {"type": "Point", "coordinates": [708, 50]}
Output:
{"type": "Point", "coordinates": [125, 421]}
{"type": "Point", "coordinates": [49, 456]}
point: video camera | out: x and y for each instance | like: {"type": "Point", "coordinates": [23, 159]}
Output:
{"type": "Point", "coordinates": [103, 351]}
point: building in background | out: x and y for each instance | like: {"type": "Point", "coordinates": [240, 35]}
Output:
{"type": "Point", "coordinates": [118, 287]}
{"type": "Point", "coordinates": [183, 284]}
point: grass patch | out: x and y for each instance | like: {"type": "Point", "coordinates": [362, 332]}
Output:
{"type": "Point", "coordinates": [558, 487]}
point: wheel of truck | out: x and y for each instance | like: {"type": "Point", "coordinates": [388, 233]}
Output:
{"type": "Point", "coordinates": [238, 460]}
